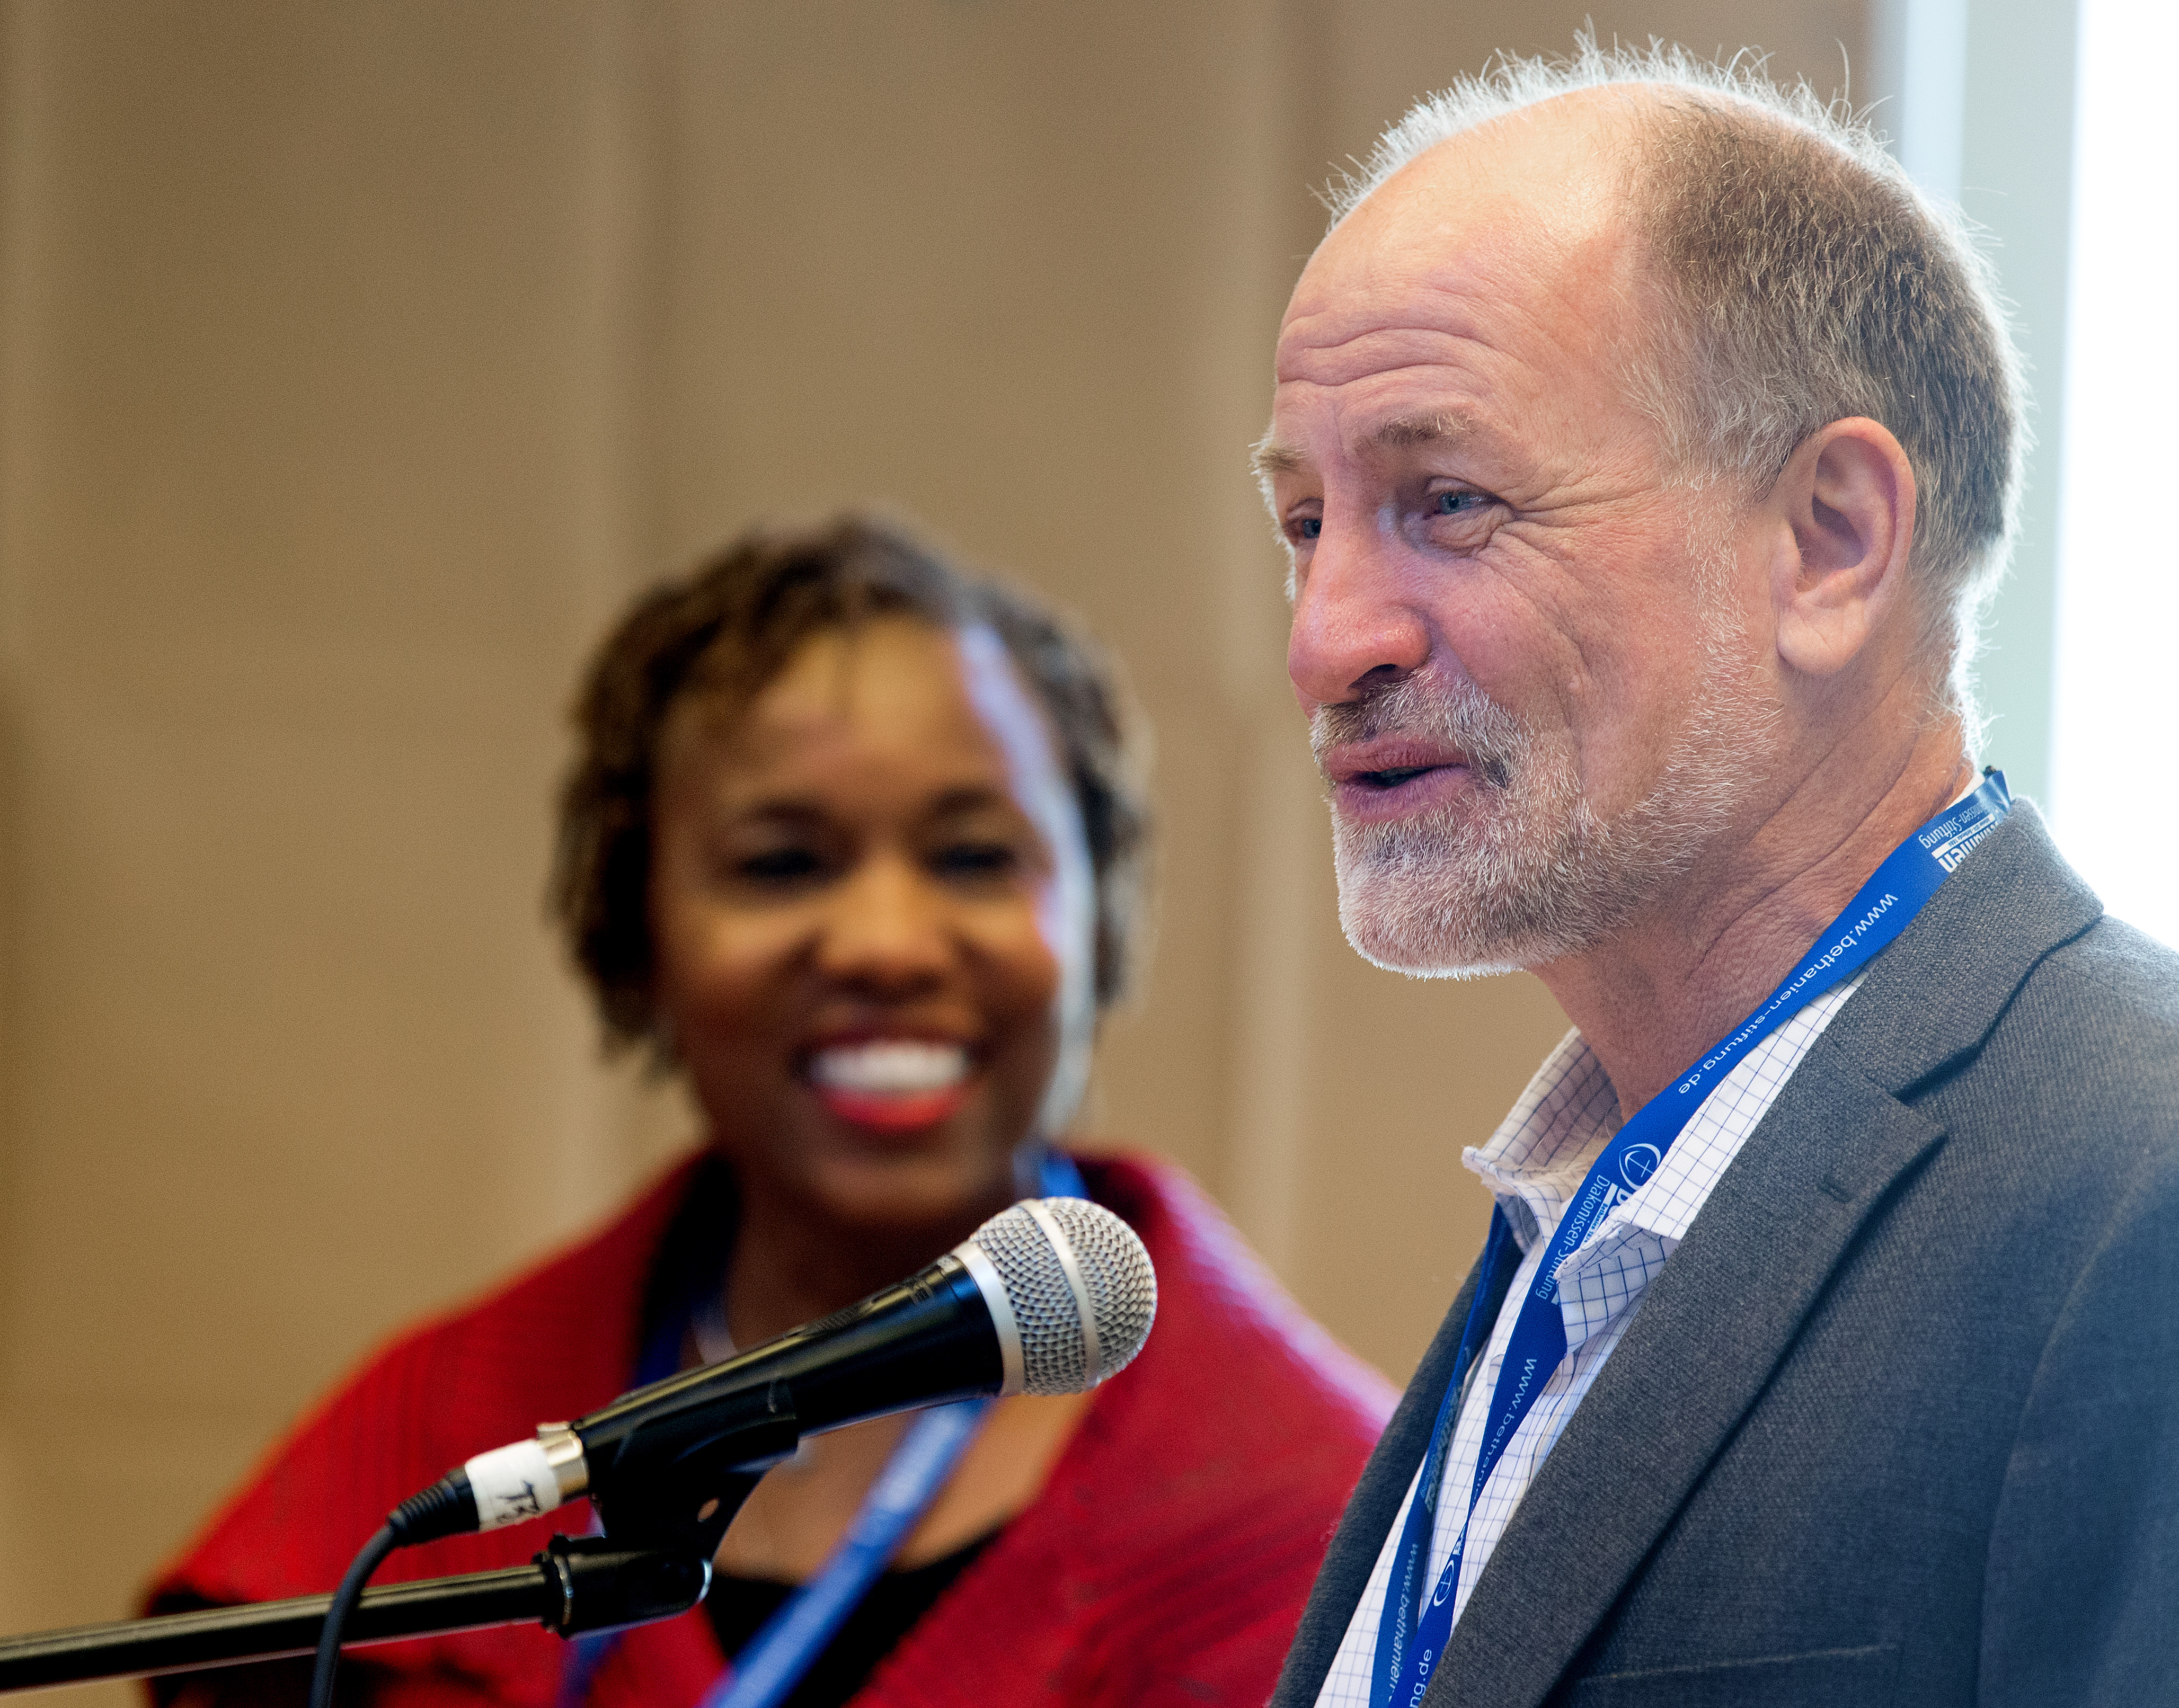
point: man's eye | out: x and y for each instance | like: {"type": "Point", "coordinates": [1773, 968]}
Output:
{"type": "Point", "coordinates": [975, 860]}
{"type": "Point", "coordinates": [778, 866]}
{"type": "Point", "coordinates": [1456, 503]}
{"type": "Point", "coordinates": [1308, 528]}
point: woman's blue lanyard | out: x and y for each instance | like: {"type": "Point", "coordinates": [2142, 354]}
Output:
{"type": "Point", "coordinates": [785, 1646]}
{"type": "Point", "coordinates": [1411, 1635]}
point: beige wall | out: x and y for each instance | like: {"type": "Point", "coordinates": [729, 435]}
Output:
{"type": "Point", "coordinates": [355, 360]}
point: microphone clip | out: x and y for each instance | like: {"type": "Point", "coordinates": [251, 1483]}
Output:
{"type": "Point", "coordinates": [674, 1484]}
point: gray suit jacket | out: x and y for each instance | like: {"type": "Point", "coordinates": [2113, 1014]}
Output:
{"type": "Point", "coordinates": [1899, 1420]}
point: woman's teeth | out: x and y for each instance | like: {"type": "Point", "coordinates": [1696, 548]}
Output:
{"type": "Point", "coordinates": [893, 1085]}
{"type": "Point", "coordinates": [892, 1068]}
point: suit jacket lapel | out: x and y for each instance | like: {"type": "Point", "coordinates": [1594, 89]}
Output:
{"type": "Point", "coordinates": [1711, 1327]}
{"type": "Point", "coordinates": [1724, 1310]}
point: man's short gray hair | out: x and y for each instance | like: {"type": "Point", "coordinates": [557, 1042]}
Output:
{"type": "Point", "coordinates": [1811, 281]}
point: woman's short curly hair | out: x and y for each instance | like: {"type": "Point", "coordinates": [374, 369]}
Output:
{"type": "Point", "coordinates": [726, 630]}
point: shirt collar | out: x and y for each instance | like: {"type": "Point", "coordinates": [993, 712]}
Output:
{"type": "Point", "coordinates": [1536, 1160]}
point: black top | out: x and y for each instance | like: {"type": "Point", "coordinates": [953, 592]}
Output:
{"type": "Point", "coordinates": [738, 1607]}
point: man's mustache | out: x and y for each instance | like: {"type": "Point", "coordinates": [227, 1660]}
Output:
{"type": "Point", "coordinates": [1459, 713]}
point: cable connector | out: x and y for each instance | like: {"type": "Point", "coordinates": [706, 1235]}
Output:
{"type": "Point", "coordinates": [447, 1508]}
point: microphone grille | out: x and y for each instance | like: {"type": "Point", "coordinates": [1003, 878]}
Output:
{"type": "Point", "coordinates": [1034, 1246]}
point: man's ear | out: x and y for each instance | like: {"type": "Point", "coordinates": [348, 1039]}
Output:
{"type": "Point", "coordinates": [1847, 498]}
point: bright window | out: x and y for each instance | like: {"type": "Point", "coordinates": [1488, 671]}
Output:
{"type": "Point", "coordinates": [2114, 802]}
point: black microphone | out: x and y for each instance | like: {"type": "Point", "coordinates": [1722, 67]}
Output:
{"type": "Point", "coordinates": [1050, 1296]}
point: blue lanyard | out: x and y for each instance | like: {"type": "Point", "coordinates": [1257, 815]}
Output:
{"type": "Point", "coordinates": [785, 1646]}
{"type": "Point", "coordinates": [1411, 1637]}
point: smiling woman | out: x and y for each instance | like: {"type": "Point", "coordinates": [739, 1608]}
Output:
{"type": "Point", "coordinates": [853, 841]}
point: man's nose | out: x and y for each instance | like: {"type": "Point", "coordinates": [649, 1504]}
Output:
{"type": "Point", "coordinates": [1352, 620]}
{"type": "Point", "coordinates": [886, 932]}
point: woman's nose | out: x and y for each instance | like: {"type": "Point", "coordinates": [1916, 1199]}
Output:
{"type": "Point", "coordinates": [886, 929]}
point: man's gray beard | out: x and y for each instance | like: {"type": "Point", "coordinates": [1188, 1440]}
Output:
{"type": "Point", "coordinates": [1522, 870]}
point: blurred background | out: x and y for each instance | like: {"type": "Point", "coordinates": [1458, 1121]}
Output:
{"type": "Point", "coordinates": [358, 360]}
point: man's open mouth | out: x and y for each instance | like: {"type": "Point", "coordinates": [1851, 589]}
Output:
{"type": "Point", "coordinates": [1393, 776]}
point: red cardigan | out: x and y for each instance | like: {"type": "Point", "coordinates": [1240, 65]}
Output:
{"type": "Point", "coordinates": [1164, 1562]}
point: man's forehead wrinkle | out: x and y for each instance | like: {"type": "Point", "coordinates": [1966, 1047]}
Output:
{"type": "Point", "coordinates": [1379, 353]}
{"type": "Point", "coordinates": [1446, 317]}
{"type": "Point", "coordinates": [1462, 283]}
{"type": "Point", "coordinates": [1471, 331]}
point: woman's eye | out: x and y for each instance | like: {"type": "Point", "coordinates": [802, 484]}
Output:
{"type": "Point", "coordinates": [1308, 528]}
{"type": "Point", "coordinates": [778, 866]}
{"type": "Point", "coordinates": [975, 860]}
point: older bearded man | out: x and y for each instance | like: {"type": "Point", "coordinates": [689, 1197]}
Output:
{"type": "Point", "coordinates": [1645, 445]}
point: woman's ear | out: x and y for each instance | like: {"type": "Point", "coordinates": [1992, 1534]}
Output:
{"type": "Point", "coordinates": [1847, 498]}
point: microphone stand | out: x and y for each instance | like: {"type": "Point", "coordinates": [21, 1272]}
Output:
{"type": "Point", "coordinates": [654, 1562]}
{"type": "Point", "coordinates": [571, 1586]}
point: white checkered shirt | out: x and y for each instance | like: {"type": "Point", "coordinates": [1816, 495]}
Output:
{"type": "Point", "coordinates": [1534, 1164]}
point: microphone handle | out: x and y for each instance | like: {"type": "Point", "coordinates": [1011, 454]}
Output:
{"type": "Point", "coordinates": [922, 1341]}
